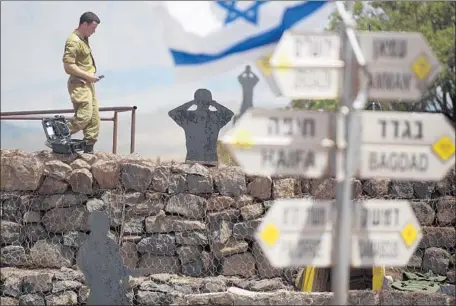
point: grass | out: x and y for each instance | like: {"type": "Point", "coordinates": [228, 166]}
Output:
{"type": "Point", "coordinates": [224, 156]}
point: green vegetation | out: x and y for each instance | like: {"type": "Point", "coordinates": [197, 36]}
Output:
{"type": "Point", "coordinates": [436, 21]}
{"type": "Point", "coordinates": [224, 156]}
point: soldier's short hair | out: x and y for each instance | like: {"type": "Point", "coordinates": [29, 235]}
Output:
{"type": "Point", "coordinates": [89, 17]}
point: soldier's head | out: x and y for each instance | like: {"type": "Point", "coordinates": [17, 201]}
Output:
{"type": "Point", "coordinates": [88, 23]}
{"type": "Point", "coordinates": [99, 223]}
{"type": "Point", "coordinates": [203, 97]}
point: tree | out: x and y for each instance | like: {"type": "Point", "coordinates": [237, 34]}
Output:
{"type": "Point", "coordinates": [437, 22]}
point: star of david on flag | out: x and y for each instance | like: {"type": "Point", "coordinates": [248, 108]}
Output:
{"type": "Point", "coordinates": [250, 15]}
{"type": "Point", "coordinates": [250, 29]}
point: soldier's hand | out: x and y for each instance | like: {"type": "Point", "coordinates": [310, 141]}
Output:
{"type": "Point", "coordinates": [92, 79]}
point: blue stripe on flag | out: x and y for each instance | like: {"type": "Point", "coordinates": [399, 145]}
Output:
{"type": "Point", "coordinates": [291, 16]}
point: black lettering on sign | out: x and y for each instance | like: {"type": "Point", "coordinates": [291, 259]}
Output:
{"type": "Point", "coordinates": [286, 158]}
{"type": "Point", "coordinates": [304, 248]}
{"type": "Point", "coordinates": [312, 78]}
{"type": "Point", "coordinates": [311, 46]}
{"type": "Point", "coordinates": [316, 217]}
{"type": "Point", "coordinates": [290, 215]}
{"type": "Point", "coordinates": [390, 48]}
{"type": "Point", "coordinates": [291, 126]}
{"type": "Point", "coordinates": [380, 248]}
{"type": "Point", "coordinates": [391, 81]}
{"type": "Point", "coordinates": [404, 129]}
{"type": "Point", "coordinates": [398, 161]}
{"type": "Point", "coordinates": [379, 217]}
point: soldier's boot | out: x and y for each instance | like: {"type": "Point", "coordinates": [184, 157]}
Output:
{"type": "Point", "coordinates": [88, 148]}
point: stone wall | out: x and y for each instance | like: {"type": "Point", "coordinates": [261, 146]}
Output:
{"type": "Point", "coordinates": [188, 228]}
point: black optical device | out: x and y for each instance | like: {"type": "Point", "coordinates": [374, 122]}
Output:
{"type": "Point", "coordinates": [59, 136]}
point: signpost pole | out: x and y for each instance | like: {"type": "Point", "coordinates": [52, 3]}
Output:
{"type": "Point", "coordinates": [342, 243]}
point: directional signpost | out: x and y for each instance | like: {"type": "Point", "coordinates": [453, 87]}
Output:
{"type": "Point", "coordinates": [399, 146]}
{"type": "Point", "coordinates": [406, 146]}
{"type": "Point", "coordinates": [281, 142]}
{"type": "Point", "coordinates": [401, 64]}
{"type": "Point", "coordinates": [307, 66]}
{"type": "Point", "coordinates": [300, 232]}
{"type": "Point", "coordinates": [386, 233]}
{"type": "Point", "coordinates": [297, 232]}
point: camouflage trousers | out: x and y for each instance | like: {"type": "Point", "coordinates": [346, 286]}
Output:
{"type": "Point", "coordinates": [86, 113]}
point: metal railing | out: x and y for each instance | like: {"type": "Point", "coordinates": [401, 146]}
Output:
{"type": "Point", "coordinates": [31, 115]}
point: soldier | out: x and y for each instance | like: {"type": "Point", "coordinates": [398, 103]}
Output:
{"type": "Point", "coordinates": [79, 64]}
{"type": "Point", "coordinates": [201, 126]}
{"type": "Point", "coordinates": [100, 261]}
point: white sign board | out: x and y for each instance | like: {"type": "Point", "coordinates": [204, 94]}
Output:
{"type": "Point", "coordinates": [281, 142]}
{"type": "Point", "coordinates": [297, 232]}
{"type": "Point", "coordinates": [308, 83]}
{"type": "Point", "coordinates": [308, 65]}
{"type": "Point", "coordinates": [387, 233]}
{"type": "Point", "coordinates": [296, 50]}
{"type": "Point", "coordinates": [401, 64]}
{"type": "Point", "coordinates": [406, 146]}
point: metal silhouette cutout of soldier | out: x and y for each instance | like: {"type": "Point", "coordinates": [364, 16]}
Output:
{"type": "Point", "coordinates": [100, 261]}
{"type": "Point", "coordinates": [201, 126]}
{"type": "Point", "coordinates": [248, 81]}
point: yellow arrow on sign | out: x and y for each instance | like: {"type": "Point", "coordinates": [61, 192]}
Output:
{"type": "Point", "coordinates": [421, 67]}
{"type": "Point", "coordinates": [270, 234]}
{"type": "Point", "coordinates": [242, 139]}
{"type": "Point", "coordinates": [444, 148]}
{"type": "Point", "coordinates": [409, 234]}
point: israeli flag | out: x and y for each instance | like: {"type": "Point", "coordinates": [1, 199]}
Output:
{"type": "Point", "coordinates": [250, 29]}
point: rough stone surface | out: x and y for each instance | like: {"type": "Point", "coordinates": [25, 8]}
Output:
{"type": "Point", "coordinates": [219, 203]}
{"type": "Point", "coordinates": [158, 244]}
{"type": "Point", "coordinates": [192, 241]}
{"type": "Point", "coordinates": [162, 223]}
{"type": "Point", "coordinates": [252, 211]}
{"type": "Point", "coordinates": [160, 179]}
{"type": "Point", "coordinates": [198, 184]}
{"type": "Point", "coordinates": [20, 173]}
{"type": "Point", "coordinates": [136, 177]}
{"type": "Point", "coordinates": [49, 254]}
{"type": "Point", "coordinates": [260, 188]}
{"type": "Point", "coordinates": [230, 181]}
{"type": "Point", "coordinates": [52, 185]}
{"type": "Point", "coordinates": [187, 205]}
{"type": "Point", "coordinates": [376, 188]}
{"type": "Point", "coordinates": [424, 213]}
{"type": "Point", "coordinates": [424, 190]}
{"type": "Point", "coordinates": [442, 237]}
{"type": "Point", "coordinates": [446, 208]}
{"type": "Point", "coordinates": [436, 260]}
{"type": "Point", "coordinates": [402, 190]}
{"type": "Point", "coordinates": [239, 264]}
{"type": "Point", "coordinates": [106, 173]}
{"type": "Point", "coordinates": [284, 188]}
{"type": "Point", "coordinates": [324, 189]}
{"type": "Point", "coordinates": [81, 181]}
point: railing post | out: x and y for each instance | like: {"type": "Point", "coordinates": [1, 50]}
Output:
{"type": "Point", "coordinates": [133, 130]}
{"type": "Point", "coordinates": [114, 134]}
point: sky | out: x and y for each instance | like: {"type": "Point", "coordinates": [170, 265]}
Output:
{"type": "Point", "coordinates": [129, 50]}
